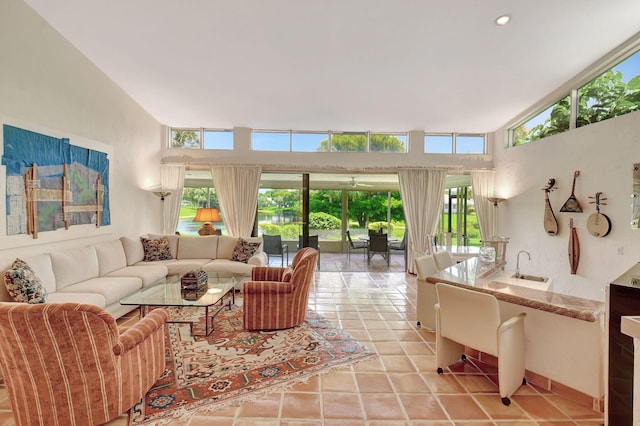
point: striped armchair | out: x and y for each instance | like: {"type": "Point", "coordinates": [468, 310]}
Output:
{"type": "Point", "coordinates": [68, 363]}
{"type": "Point", "coordinates": [277, 298]}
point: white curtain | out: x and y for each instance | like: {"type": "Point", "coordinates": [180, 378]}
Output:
{"type": "Point", "coordinates": [482, 182]}
{"type": "Point", "coordinates": [237, 191]}
{"type": "Point", "coordinates": [171, 180]}
{"type": "Point", "coordinates": [422, 193]}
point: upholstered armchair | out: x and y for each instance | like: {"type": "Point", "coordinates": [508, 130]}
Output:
{"type": "Point", "coordinates": [277, 298]}
{"type": "Point", "coordinates": [68, 363]}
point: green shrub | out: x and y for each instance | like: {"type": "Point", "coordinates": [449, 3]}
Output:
{"type": "Point", "coordinates": [323, 220]}
{"type": "Point", "coordinates": [375, 226]}
{"type": "Point", "coordinates": [287, 232]}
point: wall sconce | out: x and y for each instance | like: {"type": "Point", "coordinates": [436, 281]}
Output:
{"type": "Point", "coordinates": [161, 194]}
{"type": "Point", "coordinates": [495, 200]}
{"type": "Point", "coordinates": [207, 215]}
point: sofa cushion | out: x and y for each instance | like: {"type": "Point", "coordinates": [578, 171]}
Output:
{"type": "Point", "coordinates": [244, 250]}
{"type": "Point", "coordinates": [65, 297]}
{"type": "Point", "coordinates": [133, 250]}
{"type": "Point", "coordinates": [23, 284]}
{"type": "Point", "coordinates": [74, 265]}
{"type": "Point", "coordinates": [111, 256]}
{"type": "Point", "coordinates": [179, 267]}
{"type": "Point", "coordinates": [113, 289]}
{"type": "Point", "coordinates": [156, 249]}
{"type": "Point", "coordinates": [226, 245]}
{"type": "Point", "coordinates": [173, 242]}
{"type": "Point", "coordinates": [204, 247]}
{"type": "Point", "coordinates": [226, 265]}
{"type": "Point", "coordinates": [149, 274]}
{"type": "Point", "coordinates": [41, 264]}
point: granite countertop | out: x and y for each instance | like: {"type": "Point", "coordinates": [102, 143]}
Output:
{"type": "Point", "coordinates": [490, 278]}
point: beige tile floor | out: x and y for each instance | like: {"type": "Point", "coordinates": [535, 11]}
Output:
{"type": "Point", "coordinates": [400, 387]}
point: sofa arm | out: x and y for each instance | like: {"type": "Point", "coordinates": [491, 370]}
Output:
{"type": "Point", "coordinates": [258, 259]}
{"type": "Point", "coordinates": [136, 334]}
{"type": "Point", "coordinates": [266, 287]}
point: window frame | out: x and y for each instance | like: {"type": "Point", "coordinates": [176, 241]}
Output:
{"type": "Point", "coordinates": [608, 63]}
{"type": "Point", "coordinates": [201, 133]}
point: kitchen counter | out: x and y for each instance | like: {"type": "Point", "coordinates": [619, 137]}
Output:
{"type": "Point", "coordinates": [564, 335]}
{"type": "Point", "coordinates": [491, 278]}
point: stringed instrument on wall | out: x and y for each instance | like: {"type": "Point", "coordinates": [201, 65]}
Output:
{"type": "Point", "coordinates": [572, 205]}
{"type": "Point", "coordinates": [598, 224]}
{"type": "Point", "coordinates": [574, 248]}
{"type": "Point", "coordinates": [550, 221]}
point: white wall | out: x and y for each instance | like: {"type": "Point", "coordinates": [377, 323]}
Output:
{"type": "Point", "coordinates": [604, 153]}
{"type": "Point", "coordinates": [46, 85]}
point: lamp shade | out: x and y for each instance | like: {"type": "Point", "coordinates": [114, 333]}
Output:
{"type": "Point", "coordinates": [207, 214]}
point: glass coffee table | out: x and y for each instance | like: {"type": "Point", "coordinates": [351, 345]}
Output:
{"type": "Point", "coordinates": [169, 293]}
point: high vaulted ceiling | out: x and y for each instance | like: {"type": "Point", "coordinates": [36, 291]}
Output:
{"type": "Point", "coordinates": [380, 65]}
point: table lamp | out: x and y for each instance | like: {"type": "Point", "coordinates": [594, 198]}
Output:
{"type": "Point", "coordinates": [207, 215]}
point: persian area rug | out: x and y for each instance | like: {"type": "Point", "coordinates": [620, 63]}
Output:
{"type": "Point", "coordinates": [231, 365]}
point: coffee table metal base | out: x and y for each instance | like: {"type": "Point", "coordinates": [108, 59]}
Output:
{"type": "Point", "coordinates": [208, 318]}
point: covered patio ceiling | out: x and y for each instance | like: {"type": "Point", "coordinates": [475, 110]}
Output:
{"type": "Point", "coordinates": [375, 182]}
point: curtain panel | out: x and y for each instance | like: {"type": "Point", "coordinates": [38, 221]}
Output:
{"type": "Point", "coordinates": [482, 184]}
{"type": "Point", "coordinates": [237, 191]}
{"type": "Point", "coordinates": [422, 193]}
{"type": "Point", "coordinates": [171, 180]}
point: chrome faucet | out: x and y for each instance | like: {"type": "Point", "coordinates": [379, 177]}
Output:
{"type": "Point", "coordinates": [517, 275]}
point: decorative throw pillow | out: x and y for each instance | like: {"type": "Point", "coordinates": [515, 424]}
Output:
{"type": "Point", "coordinates": [23, 284]}
{"type": "Point", "coordinates": [287, 274]}
{"type": "Point", "coordinates": [156, 249]}
{"type": "Point", "coordinates": [244, 250]}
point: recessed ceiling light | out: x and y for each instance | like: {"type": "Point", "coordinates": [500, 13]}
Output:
{"type": "Point", "coordinates": [503, 20]}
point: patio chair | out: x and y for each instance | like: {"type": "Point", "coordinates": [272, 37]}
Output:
{"type": "Point", "coordinates": [272, 245]}
{"type": "Point", "coordinates": [358, 245]}
{"type": "Point", "coordinates": [378, 244]}
{"type": "Point", "coordinates": [399, 245]}
{"type": "Point", "coordinates": [313, 243]}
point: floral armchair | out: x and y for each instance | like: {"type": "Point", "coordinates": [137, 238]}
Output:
{"type": "Point", "coordinates": [68, 363]}
{"type": "Point", "coordinates": [277, 298]}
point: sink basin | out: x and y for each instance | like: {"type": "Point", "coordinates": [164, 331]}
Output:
{"type": "Point", "coordinates": [530, 278]}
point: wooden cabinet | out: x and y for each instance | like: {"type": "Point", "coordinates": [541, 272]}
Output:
{"type": "Point", "coordinates": [623, 300]}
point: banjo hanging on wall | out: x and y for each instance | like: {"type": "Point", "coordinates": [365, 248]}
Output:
{"type": "Point", "coordinates": [598, 224]}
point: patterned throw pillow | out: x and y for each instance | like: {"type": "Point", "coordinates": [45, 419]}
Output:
{"type": "Point", "coordinates": [156, 249]}
{"type": "Point", "coordinates": [23, 284]}
{"type": "Point", "coordinates": [244, 250]}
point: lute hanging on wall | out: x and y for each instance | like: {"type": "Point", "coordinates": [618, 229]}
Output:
{"type": "Point", "coordinates": [572, 205]}
{"type": "Point", "coordinates": [550, 221]}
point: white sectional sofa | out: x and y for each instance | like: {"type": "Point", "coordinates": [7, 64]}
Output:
{"type": "Point", "coordinates": [211, 253]}
{"type": "Point", "coordinates": [104, 273]}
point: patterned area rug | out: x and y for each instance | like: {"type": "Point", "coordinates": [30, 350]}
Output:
{"type": "Point", "coordinates": [231, 365]}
